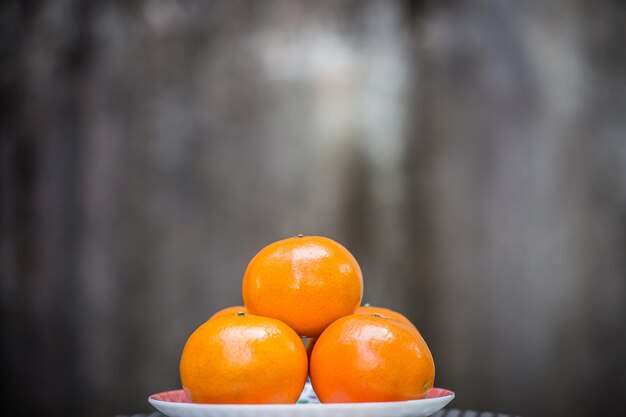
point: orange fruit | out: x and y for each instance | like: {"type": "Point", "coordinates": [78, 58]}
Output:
{"type": "Point", "coordinates": [243, 359]}
{"type": "Point", "coordinates": [361, 358]}
{"type": "Point", "coordinates": [384, 312]}
{"type": "Point", "coordinates": [306, 281]}
{"type": "Point", "coordinates": [229, 311]}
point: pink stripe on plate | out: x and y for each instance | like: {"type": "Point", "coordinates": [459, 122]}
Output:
{"type": "Point", "coordinates": [179, 396]}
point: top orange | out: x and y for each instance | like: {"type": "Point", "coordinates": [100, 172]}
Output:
{"type": "Point", "coordinates": [305, 281]}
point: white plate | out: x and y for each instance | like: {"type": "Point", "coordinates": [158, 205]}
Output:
{"type": "Point", "coordinates": [175, 404]}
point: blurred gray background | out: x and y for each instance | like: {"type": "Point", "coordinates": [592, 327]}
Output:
{"type": "Point", "coordinates": [471, 155]}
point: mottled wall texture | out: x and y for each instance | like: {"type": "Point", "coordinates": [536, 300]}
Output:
{"type": "Point", "coordinates": [470, 153]}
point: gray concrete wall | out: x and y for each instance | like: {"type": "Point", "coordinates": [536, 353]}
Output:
{"type": "Point", "coordinates": [472, 156]}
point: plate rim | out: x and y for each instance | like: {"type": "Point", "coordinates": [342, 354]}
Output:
{"type": "Point", "coordinates": [450, 396]}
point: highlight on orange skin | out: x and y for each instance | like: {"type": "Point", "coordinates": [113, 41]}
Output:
{"type": "Point", "coordinates": [243, 359]}
{"type": "Point", "coordinates": [229, 311]}
{"type": "Point", "coordinates": [384, 312]}
{"type": "Point", "coordinates": [306, 281]}
{"type": "Point", "coordinates": [365, 358]}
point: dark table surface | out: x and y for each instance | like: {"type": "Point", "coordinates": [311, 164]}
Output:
{"type": "Point", "coordinates": [449, 412]}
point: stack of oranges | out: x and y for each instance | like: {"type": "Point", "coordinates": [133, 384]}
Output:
{"type": "Point", "coordinates": [305, 288]}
